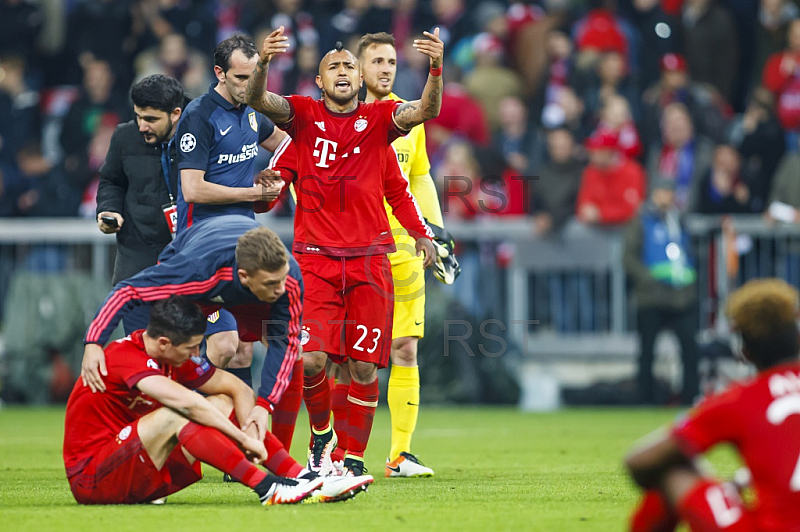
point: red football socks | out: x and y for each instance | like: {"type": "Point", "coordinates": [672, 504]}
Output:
{"type": "Point", "coordinates": [362, 401]}
{"type": "Point", "coordinates": [284, 418]}
{"type": "Point", "coordinates": [279, 461]}
{"type": "Point", "coordinates": [214, 448]}
{"type": "Point", "coordinates": [340, 424]}
{"type": "Point", "coordinates": [653, 514]}
{"type": "Point", "coordinates": [317, 395]}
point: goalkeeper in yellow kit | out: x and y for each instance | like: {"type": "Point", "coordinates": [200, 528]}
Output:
{"type": "Point", "coordinates": [378, 58]}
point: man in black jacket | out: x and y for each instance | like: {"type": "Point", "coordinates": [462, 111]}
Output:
{"type": "Point", "coordinates": [138, 182]}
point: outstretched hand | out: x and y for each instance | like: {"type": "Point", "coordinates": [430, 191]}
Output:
{"type": "Point", "coordinates": [433, 47]}
{"type": "Point", "coordinates": [275, 43]}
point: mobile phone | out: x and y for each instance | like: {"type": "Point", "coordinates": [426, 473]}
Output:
{"type": "Point", "coordinates": [109, 220]}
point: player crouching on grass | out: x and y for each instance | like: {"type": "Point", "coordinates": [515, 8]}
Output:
{"type": "Point", "coordinates": [144, 438]}
{"type": "Point", "coordinates": [759, 417]}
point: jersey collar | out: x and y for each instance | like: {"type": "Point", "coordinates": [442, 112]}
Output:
{"type": "Point", "coordinates": [341, 115]}
{"type": "Point", "coordinates": [219, 100]}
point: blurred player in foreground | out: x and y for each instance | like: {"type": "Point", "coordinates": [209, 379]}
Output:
{"type": "Point", "coordinates": [760, 417]}
{"type": "Point", "coordinates": [144, 438]}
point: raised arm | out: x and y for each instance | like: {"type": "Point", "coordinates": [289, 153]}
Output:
{"type": "Point", "coordinates": [273, 106]}
{"type": "Point", "coordinates": [413, 113]}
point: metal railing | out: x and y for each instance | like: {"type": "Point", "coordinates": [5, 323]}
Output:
{"type": "Point", "coordinates": [524, 285]}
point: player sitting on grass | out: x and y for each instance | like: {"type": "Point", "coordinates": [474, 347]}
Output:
{"type": "Point", "coordinates": [759, 417]}
{"type": "Point", "coordinates": [144, 438]}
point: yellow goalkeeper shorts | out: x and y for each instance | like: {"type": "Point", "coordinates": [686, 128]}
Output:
{"type": "Point", "coordinates": [409, 297]}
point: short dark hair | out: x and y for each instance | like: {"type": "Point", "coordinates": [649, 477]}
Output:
{"type": "Point", "coordinates": [177, 318]}
{"type": "Point", "coordinates": [225, 49]}
{"type": "Point", "coordinates": [260, 249]}
{"type": "Point", "coordinates": [370, 39]}
{"type": "Point", "coordinates": [158, 92]}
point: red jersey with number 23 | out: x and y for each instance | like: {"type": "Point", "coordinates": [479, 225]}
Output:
{"type": "Point", "coordinates": [761, 418]}
{"type": "Point", "coordinates": [92, 419]}
{"type": "Point", "coordinates": [341, 163]}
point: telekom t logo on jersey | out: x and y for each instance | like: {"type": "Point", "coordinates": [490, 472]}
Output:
{"type": "Point", "coordinates": [326, 153]}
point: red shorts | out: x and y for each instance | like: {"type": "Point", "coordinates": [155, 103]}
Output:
{"type": "Point", "coordinates": [121, 472]}
{"type": "Point", "coordinates": [348, 307]}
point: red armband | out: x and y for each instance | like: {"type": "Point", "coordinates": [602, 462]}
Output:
{"type": "Point", "coordinates": [436, 72]}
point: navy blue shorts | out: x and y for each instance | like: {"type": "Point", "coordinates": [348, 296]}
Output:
{"type": "Point", "coordinates": [220, 321]}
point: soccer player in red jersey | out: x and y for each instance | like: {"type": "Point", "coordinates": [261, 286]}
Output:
{"type": "Point", "coordinates": [759, 417]}
{"type": "Point", "coordinates": [342, 233]}
{"type": "Point", "coordinates": [144, 438]}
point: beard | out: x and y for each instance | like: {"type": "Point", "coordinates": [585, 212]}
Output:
{"type": "Point", "coordinates": [379, 91]}
{"type": "Point", "coordinates": [342, 99]}
{"type": "Point", "coordinates": [155, 138]}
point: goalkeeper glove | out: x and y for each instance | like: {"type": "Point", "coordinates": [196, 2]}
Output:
{"type": "Point", "coordinates": [446, 268]}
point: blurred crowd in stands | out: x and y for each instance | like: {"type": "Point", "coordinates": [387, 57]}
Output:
{"type": "Point", "coordinates": [596, 98]}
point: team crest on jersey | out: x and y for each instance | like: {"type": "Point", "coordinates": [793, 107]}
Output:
{"type": "Point", "coordinates": [361, 124]}
{"type": "Point", "coordinates": [212, 318]}
{"type": "Point", "coordinates": [253, 121]}
{"type": "Point", "coordinates": [188, 142]}
{"type": "Point", "coordinates": [320, 125]}
{"type": "Point", "coordinates": [124, 433]}
{"type": "Point", "coordinates": [305, 336]}
{"type": "Point", "coordinates": [152, 364]}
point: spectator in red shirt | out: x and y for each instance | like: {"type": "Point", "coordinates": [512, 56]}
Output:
{"type": "Point", "coordinates": [782, 77]}
{"type": "Point", "coordinates": [755, 416]}
{"type": "Point", "coordinates": [612, 186]}
{"type": "Point", "coordinates": [460, 115]}
{"type": "Point", "coordinates": [616, 119]}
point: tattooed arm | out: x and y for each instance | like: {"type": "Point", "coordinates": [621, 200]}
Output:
{"type": "Point", "coordinates": [413, 113]}
{"type": "Point", "coordinates": [274, 106]}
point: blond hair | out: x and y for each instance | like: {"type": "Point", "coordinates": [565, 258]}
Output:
{"type": "Point", "coordinates": [260, 249]}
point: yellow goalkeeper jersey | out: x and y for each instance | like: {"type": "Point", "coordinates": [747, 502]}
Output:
{"type": "Point", "coordinates": [413, 159]}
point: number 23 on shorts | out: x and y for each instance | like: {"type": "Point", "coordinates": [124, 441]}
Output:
{"type": "Point", "coordinates": [374, 336]}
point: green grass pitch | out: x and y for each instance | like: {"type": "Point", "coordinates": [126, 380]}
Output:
{"type": "Point", "coordinates": [496, 469]}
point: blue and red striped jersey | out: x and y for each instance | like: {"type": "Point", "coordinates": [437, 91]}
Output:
{"type": "Point", "coordinates": [201, 265]}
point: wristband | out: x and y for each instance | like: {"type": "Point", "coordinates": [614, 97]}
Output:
{"type": "Point", "coordinates": [264, 403]}
{"type": "Point", "coordinates": [436, 72]}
